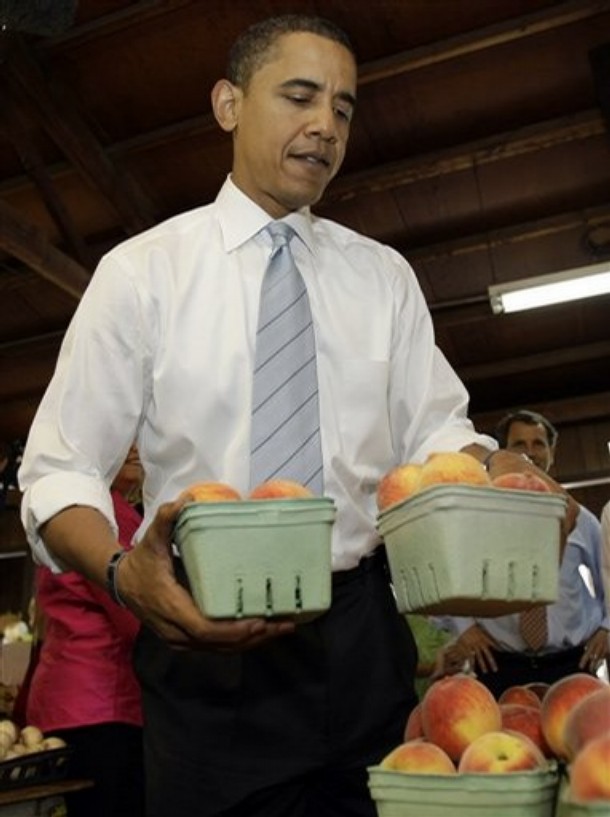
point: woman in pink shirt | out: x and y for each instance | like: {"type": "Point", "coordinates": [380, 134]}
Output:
{"type": "Point", "coordinates": [83, 687]}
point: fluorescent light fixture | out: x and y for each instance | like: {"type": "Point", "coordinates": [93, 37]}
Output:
{"type": "Point", "coordinates": [557, 288]}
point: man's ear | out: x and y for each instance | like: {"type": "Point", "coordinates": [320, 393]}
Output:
{"type": "Point", "coordinates": [226, 99]}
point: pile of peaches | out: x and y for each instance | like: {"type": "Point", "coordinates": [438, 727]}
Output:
{"type": "Point", "coordinates": [221, 492]}
{"type": "Point", "coordinates": [448, 467]}
{"type": "Point", "coordinates": [459, 727]}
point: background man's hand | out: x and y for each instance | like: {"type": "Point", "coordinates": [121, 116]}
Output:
{"type": "Point", "coordinates": [475, 645]}
{"type": "Point", "coordinates": [597, 649]}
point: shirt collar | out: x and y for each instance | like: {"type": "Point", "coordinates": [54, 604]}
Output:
{"type": "Point", "coordinates": [241, 219]}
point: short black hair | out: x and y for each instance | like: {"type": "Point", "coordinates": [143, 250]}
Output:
{"type": "Point", "coordinates": [524, 416]}
{"type": "Point", "coordinates": [252, 48]}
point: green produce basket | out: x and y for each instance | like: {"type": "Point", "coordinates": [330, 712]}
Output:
{"type": "Point", "coordinates": [518, 794]}
{"type": "Point", "coordinates": [473, 551]}
{"type": "Point", "coordinates": [266, 558]}
{"type": "Point", "coordinates": [566, 807]}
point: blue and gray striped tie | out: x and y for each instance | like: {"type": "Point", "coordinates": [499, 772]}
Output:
{"type": "Point", "coordinates": [285, 432]}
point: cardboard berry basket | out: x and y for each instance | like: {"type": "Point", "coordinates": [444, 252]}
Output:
{"type": "Point", "coordinates": [473, 551]}
{"type": "Point", "coordinates": [258, 557]}
{"type": "Point", "coordinates": [518, 794]}
{"type": "Point", "coordinates": [567, 807]}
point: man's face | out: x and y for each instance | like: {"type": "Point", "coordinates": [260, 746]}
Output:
{"type": "Point", "coordinates": [531, 439]}
{"type": "Point", "coordinates": [293, 121]}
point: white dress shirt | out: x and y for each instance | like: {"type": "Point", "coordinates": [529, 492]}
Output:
{"type": "Point", "coordinates": [161, 350]}
{"type": "Point", "coordinates": [580, 609]}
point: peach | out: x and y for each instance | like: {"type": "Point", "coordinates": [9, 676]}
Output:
{"type": "Point", "coordinates": [519, 695]}
{"type": "Point", "coordinates": [528, 721]}
{"type": "Point", "coordinates": [398, 484]}
{"type": "Point", "coordinates": [456, 710]}
{"type": "Point", "coordinates": [589, 719]}
{"type": "Point", "coordinates": [589, 772]}
{"type": "Point", "coordinates": [539, 687]}
{"type": "Point", "coordinates": [414, 727]}
{"type": "Point", "coordinates": [521, 481]}
{"type": "Point", "coordinates": [501, 752]}
{"type": "Point", "coordinates": [560, 699]}
{"type": "Point", "coordinates": [419, 757]}
{"type": "Point", "coordinates": [451, 467]}
{"type": "Point", "coordinates": [211, 492]}
{"type": "Point", "coordinates": [281, 489]}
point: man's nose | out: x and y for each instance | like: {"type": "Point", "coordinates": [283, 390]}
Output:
{"type": "Point", "coordinates": [324, 123]}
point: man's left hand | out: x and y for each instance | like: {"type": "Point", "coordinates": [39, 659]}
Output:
{"type": "Point", "coordinates": [597, 649]}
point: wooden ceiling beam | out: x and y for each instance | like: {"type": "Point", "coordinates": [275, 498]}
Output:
{"type": "Point", "coordinates": [18, 130]}
{"type": "Point", "coordinates": [587, 219]}
{"type": "Point", "coordinates": [568, 411]}
{"type": "Point", "coordinates": [527, 25]}
{"type": "Point", "coordinates": [48, 105]}
{"type": "Point", "coordinates": [500, 147]}
{"type": "Point", "coordinates": [556, 16]}
{"type": "Point", "coordinates": [535, 362]}
{"type": "Point", "coordinates": [27, 242]}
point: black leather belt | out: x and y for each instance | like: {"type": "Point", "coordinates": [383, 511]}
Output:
{"type": "Point", "coordinates": [535, 660]}
{"type": "Point", "coordinates": [376, 561]}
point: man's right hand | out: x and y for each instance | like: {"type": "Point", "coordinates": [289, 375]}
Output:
{"type": "Point", "coordinates": [148, 586]}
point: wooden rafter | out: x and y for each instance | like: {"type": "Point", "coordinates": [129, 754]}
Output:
{"type": "Point", "coordinates": [27, 242]}
{"type": "Point", "coordinates": [48, 105]}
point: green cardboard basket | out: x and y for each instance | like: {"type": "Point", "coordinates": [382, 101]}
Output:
{"type": "Point", "coordinates": [266, 558]}
{"type": "Point", "coordinates": [566, 807]}
{"type": "Point", "coordinates": [473, 551]}
{"type": "Point", "coordinates": [518, 794]}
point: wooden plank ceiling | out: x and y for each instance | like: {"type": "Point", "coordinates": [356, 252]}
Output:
{"type": "Point", "coordinates": [480, 150]}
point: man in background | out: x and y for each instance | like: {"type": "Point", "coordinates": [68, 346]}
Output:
{"type": "Point", "coordinates": [573, 633]}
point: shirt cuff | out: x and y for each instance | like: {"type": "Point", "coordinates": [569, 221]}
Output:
{"type": "Point", "coordinates": [52, 494]}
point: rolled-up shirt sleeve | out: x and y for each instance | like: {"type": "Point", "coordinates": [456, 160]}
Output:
{"type": "Point", "coordinates": [94, 395]}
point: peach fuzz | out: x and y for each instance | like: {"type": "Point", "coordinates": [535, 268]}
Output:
{"type": "Point", "coordinates": [211, 492]}
{"type": "Point", "coordinates": [528, 721]}
{"type": "Point", "coordinates": [453, 467]}
{"type": "Point", "coordinates": [557, 704]}
{"type": "Point", "coordinates": [539, 687]}
{"type": "Point", "coordinates": [418, 757]}
{"type": "Point", "coordinates": [414, 727]}
{"type": "Point", "coordinates": [589, 719]}
{"type": "Point", "coordinates": [589, 772]}
{"type": "Point", "coordinates": [398, 484]}
{"type": "Point", "coordinates": [501, 752]}
{"type": "Point", "coordinates": [519, 695]}
{"type": "Point", "coordinates": [456, 710]}
{"type": "Point", "coordinates": [281, 489]}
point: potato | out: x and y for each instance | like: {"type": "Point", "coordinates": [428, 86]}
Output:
{"type": "Point", "coordinates": [31, 736]}
{"type": "Point", "coordinates": [9, 728]}
{"type": "Point", "coordinates": [6, 741]}
{"type": "Point", "coordinates": [53, 742]}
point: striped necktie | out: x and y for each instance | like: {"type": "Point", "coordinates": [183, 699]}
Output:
{"type": "Point", "coordinates": [285, 433]}
{"type": "Point", "coordinates": [533, 627]}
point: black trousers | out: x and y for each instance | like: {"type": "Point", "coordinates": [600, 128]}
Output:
{"type": "Point", "coordinates": [288, 729]}
{"type": "Point", "coordinates": [111, 755]}
{"type": "Point", "coordinates": [517, 669]}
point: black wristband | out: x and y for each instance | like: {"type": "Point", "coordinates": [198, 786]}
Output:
{"type": "Point", "coordinates": [488, 459]}
{"type": "Point", "coordinates": [111, 576]}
